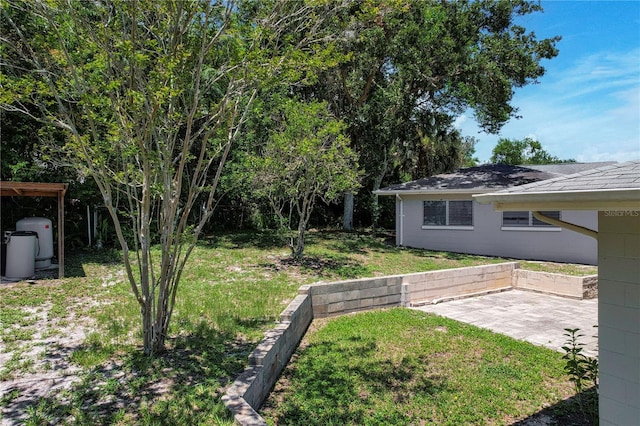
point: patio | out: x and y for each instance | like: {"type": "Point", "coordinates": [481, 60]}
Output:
{"type": "Point", "coordinates": [534, 317]}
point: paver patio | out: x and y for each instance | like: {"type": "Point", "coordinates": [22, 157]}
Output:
{"type": "Point", "coordinates": [524, 315]}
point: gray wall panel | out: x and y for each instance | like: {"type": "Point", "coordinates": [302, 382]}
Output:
{"type": "Point", "coordinates": [487, 238]}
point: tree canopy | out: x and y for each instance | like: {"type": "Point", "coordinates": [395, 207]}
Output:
{"type": "Point", "coordinates": [150, 96]}
{"type": "Point", "coordinates": [306, 159]}
{"type": "Point", "coordinates": [525, 151]}
{"type": "Point", "coordinates": [412, 67]}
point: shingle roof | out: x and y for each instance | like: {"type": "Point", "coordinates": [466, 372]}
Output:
{"type": "Point", "coordinates": [616, 176]}
{"type": "Point", "coordinates": [568, 168]}
{"type": "Point", "coordinates": [613, 187]}
{"type": "Point", "coordinates": [489, 177]}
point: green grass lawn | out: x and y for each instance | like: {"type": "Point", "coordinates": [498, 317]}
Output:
{"type": "Point", "coordinates": [233, 290]}
{"type": "Point", "coordinates": [404, 367]}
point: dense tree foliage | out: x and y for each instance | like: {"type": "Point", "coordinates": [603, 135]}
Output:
{"type": "Point", "coordinates": [306, 159]}
{"type": "Point", "coordinates": [151, 96]}
{"type": "Point", "coordinates": [149, 99]}
{"type": "Point", "coordinates": [25, 157]}
{"type": "Point", "coordinates": [525, 151]}
{"type": "Point", "coordinates": [413, 66]}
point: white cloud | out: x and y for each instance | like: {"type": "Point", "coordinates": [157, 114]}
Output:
{"type": "Point", "coordinates": [589, 112]}
{"type": "Point", "coordinates": [460, 121]}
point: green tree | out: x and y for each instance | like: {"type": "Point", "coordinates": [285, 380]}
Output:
{"type": "Point", "coordinates": [413, 66]}
{"type": "Point", "coordinates": [525, 151]}
{"type": "Point", "coordinates": [151, 95]}
{"type": "Point", "coordinates": [306, 159]}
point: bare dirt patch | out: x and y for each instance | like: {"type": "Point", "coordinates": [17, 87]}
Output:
{"type": "Point", "coordinates": [40, 366]}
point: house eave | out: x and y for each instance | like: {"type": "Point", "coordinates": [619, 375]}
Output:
{"type": "Point", "coordinates": [601, 199]}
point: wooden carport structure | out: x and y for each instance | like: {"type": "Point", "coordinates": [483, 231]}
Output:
{"type": "Point", "coordinates": [37, 189]}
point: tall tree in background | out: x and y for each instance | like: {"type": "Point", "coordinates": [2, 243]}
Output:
{"type": "Point", "coordinates": [525, 151]}
{"type": "Point", "coordinates": [415, 65]}
{"type": "Point", "coordinates": [151, 95]}
{"type": "Point", "coordinates": [306, 159]}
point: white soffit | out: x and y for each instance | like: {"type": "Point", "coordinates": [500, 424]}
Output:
{"type": "Point", "coordinates": [603, 199]}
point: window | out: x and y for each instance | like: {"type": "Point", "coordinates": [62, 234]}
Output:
{"type": "Point", "coordinates": [448, 213]}
{"type": "Point", "coordinates": [515, 218]}
{"type": "Point", "coordinates": [460, 213]}
{"type": "Point", "coordinates": [435, 213]}
{"type": "Point", "coordinates": [525, 219]}
{"type": "Point", "coordinates": [553, 215]}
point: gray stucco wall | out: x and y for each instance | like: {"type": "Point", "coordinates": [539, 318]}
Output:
{"type": "Point", "coordinates": [487, 237]}
{"type": "Point", "coordinates": [619, 317]}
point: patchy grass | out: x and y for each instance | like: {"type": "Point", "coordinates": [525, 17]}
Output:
{"type": "Point", "coordinates": [559, 268]}
{"type": "Point", "coordinates": [407, 367]}
{"type": "Point", "coordinates": [87, 326]}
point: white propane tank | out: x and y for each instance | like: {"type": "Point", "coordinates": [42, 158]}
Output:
{"type": "Point", "coordinates": [44, 229]}
{"type": "Point", "coordinates": [21, 253]}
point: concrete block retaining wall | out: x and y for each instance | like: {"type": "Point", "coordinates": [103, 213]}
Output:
{"type": "Point", "coordinates": [267, 361]}
{"type": "Point", "coordinates": [408, 290]}
{"type": "Point", "coordinates": [559, 284]}
{"type": "Point", "coordinates": [356, 295]}
{"type": "Point", "coordinates": [429, 287]}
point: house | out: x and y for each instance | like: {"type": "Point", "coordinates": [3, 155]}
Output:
{"type": "Point", "coordinates": [439, 213]}
{"type": "Point", "coordinates": [613, 191]}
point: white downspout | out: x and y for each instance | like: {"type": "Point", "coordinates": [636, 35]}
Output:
{"type": "Point", "coordinates": [570, 226]}
{"type": "Point", "coordinates": [401, 230]}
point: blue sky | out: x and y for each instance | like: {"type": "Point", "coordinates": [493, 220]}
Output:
{"type": "Point", "coordinates": [587, 105]}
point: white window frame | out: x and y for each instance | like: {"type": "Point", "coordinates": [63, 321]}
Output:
{"type": "Point", "coordinates": [530, 227]}
{"type": "Point", "coordinates": [447, 226]}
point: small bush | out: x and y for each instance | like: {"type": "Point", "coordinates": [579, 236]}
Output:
{"type": "Point", "coordinates": [583, 372]}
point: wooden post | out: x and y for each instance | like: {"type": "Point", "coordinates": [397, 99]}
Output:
{"type": "Point", "coordinates": [60, 234]}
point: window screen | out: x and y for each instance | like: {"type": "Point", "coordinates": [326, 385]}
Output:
{"type": "Point", "coordinates": [515, 218]}
{"type": "Point", "coordinates": [448, 213]}
{"type": "Point", "coordinates": [435, 213]}
{"type": "Point", "coordinates": [460, 213]}
{"type": "Point", "coordinates": [526, 218]}
{"type": "Point", "coordinates": [552, 214]}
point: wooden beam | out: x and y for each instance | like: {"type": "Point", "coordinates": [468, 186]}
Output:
{"type": "Point", "coordinates": [31, 189]}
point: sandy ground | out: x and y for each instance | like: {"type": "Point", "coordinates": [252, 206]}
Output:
{"type": "Point", "coordinates": [46, 369]}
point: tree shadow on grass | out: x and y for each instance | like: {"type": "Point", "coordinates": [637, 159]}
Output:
{"type": "Point", "coordinates": [568, 412]}
{"type": "Point", "coordinates": [334, 383]}
{"type": "Point", "coordinates": [181, 386]}
{"type": "Point", "coordinates": [342, 266]}
{"type": "Point", "coordinates": [355, 243]}
{"type": "Point", "coordinates": [75, 260]}
{"type": "Point", "coordinates": [240, 239]}
{"type": "Point", "coordinates": [361, 242]}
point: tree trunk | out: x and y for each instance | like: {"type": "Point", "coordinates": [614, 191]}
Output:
{"type": "Point", "coordinates": [347, 217]}
{"type": "Point", "coordinates": [377, 181]}
{"type": "Point", "coordinates": [147, 328]}
{"type": "Point", "coordinates": [299, 247]}
{"type": "Point", "coordinates": [375, 211]}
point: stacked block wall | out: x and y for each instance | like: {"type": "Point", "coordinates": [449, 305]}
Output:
{"type": "Point", "coordinates": [267, 361]}
{"type": "Point", "coordinates": [430, 287]}
{"type": "Point", "coordinates": [619, 317]}
{"type": "Point", "coordinates": [558, 284]}
{"type": "Point", "coordinates": [356, 295]}
{"type": "Point", "coordinates": [320, 300]}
